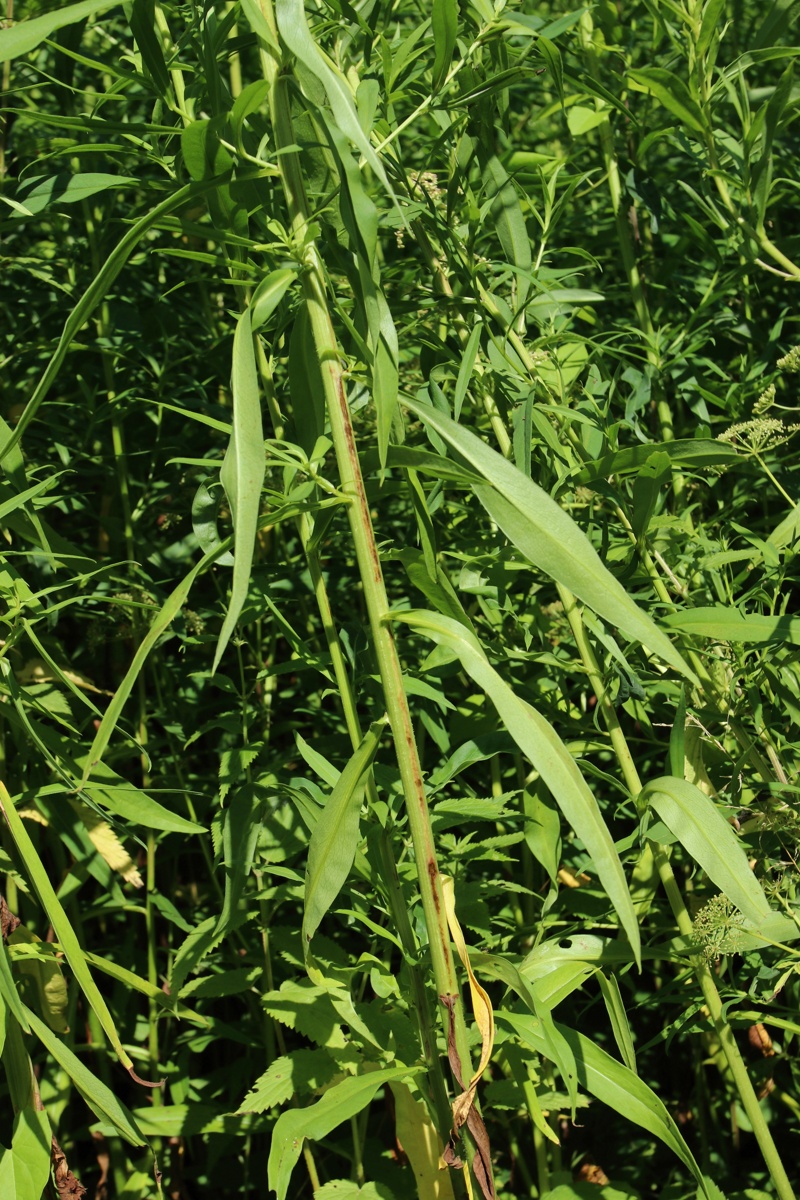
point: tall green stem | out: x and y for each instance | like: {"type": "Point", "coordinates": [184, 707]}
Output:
{"type": "Point", "coordinates": [368, 559]}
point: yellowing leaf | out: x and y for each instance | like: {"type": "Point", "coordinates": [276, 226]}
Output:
{"type": "Point", "coordinates": [481, 1007]}
{"type": "Point", "coordinates": [108, 845]}
{"type": "Point", "coordinates": [422, 1145]}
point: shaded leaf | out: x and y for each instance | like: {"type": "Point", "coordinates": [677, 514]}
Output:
{"type": "Point", "coordinates": [316, 1121]}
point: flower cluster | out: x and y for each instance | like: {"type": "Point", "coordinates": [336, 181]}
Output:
{"type": "Point", "coordinates": [718, 928]}
{"type": "Point", "coordinates": [759, 435]}
{"type": "Point", "coordinates": [791, 361]}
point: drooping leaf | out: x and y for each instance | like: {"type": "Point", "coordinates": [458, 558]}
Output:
{"type": "Point", "coordinates": [701, 828]}
{"type": "Point", "coordinates": [538, 740]}
{"type": "Point", "coordinates": [673, 93]}
{"type": "Point", "coordinates": [444, 23]}
{"type": "Point", "coordinates": [61, 925]}
{"type": "Point", "coordinates": [25, 36]}
{"type": "Point", "coordinates": [101, 1099]}
{"type": "Point", "coordinates": [294, 30]}
{"type": "Point", "coordinates": [549, 537]}
{"type": "Point", "coordinates": [612, 1083]}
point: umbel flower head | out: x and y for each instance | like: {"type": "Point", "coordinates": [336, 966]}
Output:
{"type": "Point", "coordinates": [718, 928]}
{"type": "Point", "coordinates": [760, 434]}
{"type": "Point", "coordinates": [791, 361]}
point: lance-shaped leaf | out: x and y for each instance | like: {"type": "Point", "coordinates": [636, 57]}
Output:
{"type": "Point", "coordinates": [101, 1100]}
{"type": "Point", "coordinates": [548, 537]}
{"type": "Point", "coordinates": [537, 739]}
{"type": "Point", "coordinates": [612, 1083]}
{"type": "Point", "coordinates": [62, 927]}
{"type": "Point", "coordinates": [701, 829]}
{"type": "Point", "coordinates": [295, 32]}
{"type": "Point", "coordinates": [332, 848]}
{"type": "Point", "coordinates": [27, 35]}
{"type": "Point", "coordinates": [317, 1120]}
{"type": "Point", "coordinates": [242, 472]}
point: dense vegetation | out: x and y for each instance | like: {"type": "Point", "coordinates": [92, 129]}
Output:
{"type": "Point", "coordinates": [400, 676]}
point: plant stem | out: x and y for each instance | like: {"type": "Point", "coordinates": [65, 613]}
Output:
{"type": "Point", "coordinates": [369, 564]}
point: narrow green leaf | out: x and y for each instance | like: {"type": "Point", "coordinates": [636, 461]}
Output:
{"type": "Point", "coordinates": [161, 623]}
{"type": "Point", "coordinates": [712, 19]}
{"type": "Point", "coordinates": [615, 1008]}
{"type": "Point", "coordinates": [701, 828]}
{"type": "Point", "coordinates": [142, 22]}
{"type": "Point", "coordinates": [537, 739]}
{"type": "Point", "coordinates": [27, 35]}
{"type": "Point", "coordinates": [37, 194]}
{"type": "Point", "coordinates": [242, 473]}
{"type": "Point", "coordinates": [269, 294]}
{"type": "Point", "coordinates": [305, 385]}
{"type": "Point", "coordinates": [444, 22]}
{"type": "Point", "coordinates": [316, 1121]}
{"type": "Point", "coordinates": [466, 368]}
{"type": "Point", "coordinates": [205, 507]}
{"type": "Point", "coordinates": [240, 830]}
{"type": "Point", "coordinates": [673, 94]}
{"type": "Point", "coordinates": [295, 32]}
{"type": "Point", "coordinates": [552, 56]}
{"type": "Point", "coordinates": [612, 1083]}
{"type": "Point", "coordinates": [61, 925]}
{"type": "Point", "coordinates": [787, 530]}
{"type": "Point", "coordinates": [95, 292]}
{"type": "Point", "coordinates": [332, 848]}
{"type": "Point", "coordinates": [548, 537]}
{"type": "Point", "coordinates": [101, 1100]}
{"type": "Point", "coordinates": [728, 625]}
{"type": "Point", "coordinates": [8, 989]}
{"type": "Point", "coordinates": [677, 738]}
{"type": "Point", "coordinates": [689, 452]}
{"type": "Point", "coordinates": [509, 222]}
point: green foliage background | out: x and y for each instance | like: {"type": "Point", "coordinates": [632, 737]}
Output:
{"type": "Point", "coordinates": [558, 247]}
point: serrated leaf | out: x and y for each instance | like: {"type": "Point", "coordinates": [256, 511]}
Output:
{"type": "Point", "coordinates": [294, 1074]}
